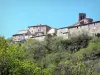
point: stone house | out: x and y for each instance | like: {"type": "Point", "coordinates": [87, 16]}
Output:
{"type": "Point", "coordinates": [38, 30]}
{"type": "Point", "coordinates": [22, 35]}
{"type": "Point", "coordinates": [91, 29]}
{"type": "Point", "coordinates": [34, 32]}
{"type": "Point", "coordinates": [84, 25]}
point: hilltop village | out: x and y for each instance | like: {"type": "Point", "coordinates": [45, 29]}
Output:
{"type": "Point", "coordinates": [39, 32]}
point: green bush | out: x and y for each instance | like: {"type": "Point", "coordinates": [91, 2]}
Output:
{"type": "Point", "coordinates": [54, 56]}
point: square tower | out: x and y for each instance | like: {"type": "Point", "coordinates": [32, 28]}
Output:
{"type": "Point", "coordinates": [81, 16]}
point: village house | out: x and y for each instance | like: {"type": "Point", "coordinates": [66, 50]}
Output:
{"type": "Point", "coordinates": [21, 36]}
{"type": "Point", "coordinates": [84, 25]}
{"type": "Point", "coordinates": [38, 30]}
{"type": "Point", "coordinates": [35, 32]}
{"type": "Point", "coordinates": [91, 29]}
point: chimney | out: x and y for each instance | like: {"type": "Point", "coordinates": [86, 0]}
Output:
{"type": "Point", "coordinates": [81, 16]}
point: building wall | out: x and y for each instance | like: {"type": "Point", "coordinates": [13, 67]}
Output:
{"type": "Point", "coordinates": [97, 27]}
{"type": "Point", "coordinates": [63, 32]}
{"type": "Point", "coordinates": [33, 30]}
{"type": "Point", "coordinates": [41, 38]}
{"type": "Point", "coordinates": [42, 29]}
{"type": "Point", "coordinates": [52, 31]}
{"type": "Point", "coordinates": [75, 31]}
{"type": "Point", "coordinates": [94, 28]}
{"type": "Point", "coordinates": [47, 29]}
{"type": "Point", "coordinates": [18, 38]}
{"type": "Point", "coordinates": [90, 29]}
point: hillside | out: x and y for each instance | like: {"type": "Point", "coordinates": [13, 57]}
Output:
{"type": "Point", "coordinates": [54, 56]}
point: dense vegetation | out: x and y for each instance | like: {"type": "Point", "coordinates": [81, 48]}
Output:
{"type": "Point", "coordinates": [54, 56]}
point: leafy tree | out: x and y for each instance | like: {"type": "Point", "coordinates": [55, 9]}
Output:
{"type": "Point", "coordinates": [13, 60]}
{"type": "Point", "coordinates": [36, 49]}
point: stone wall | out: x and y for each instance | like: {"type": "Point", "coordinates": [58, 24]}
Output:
{"type": "Point", "coordinates": [43, 29]}
{"type": "Point", "coordinates": [18, 37]}
{"type": "Point", "coordinates": [77, 30]}
{"type": "Point", "coordinates": [33, 30]}
{"type": "Point", "coordinates": [63, 32]}
{"type": "Point", "coordinates": [40, 38]}
{"type": "Point", "coordinates": [90, 29]}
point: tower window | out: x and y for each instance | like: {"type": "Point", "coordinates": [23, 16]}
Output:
{"type": "Point", "coordinates": [81, 17]}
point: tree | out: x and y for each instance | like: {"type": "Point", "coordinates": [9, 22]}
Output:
{"type": "Point", "coordinates": [13, 60]}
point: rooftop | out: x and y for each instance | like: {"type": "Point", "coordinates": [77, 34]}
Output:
{"type": "Point", "coordinates": [39, 25]}
{"type": "Point", "coordinates": [80, 25]}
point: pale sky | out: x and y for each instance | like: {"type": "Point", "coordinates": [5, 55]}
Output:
{"type": "Point", "coordinates": [19, 14]}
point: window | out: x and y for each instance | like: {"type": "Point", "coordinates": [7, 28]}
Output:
{"type": "Point", "coordinates": [81, 17]}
